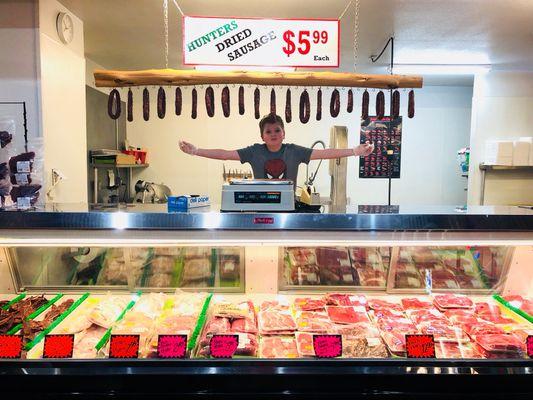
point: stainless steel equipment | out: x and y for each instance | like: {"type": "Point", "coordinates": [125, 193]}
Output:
{"type": "Point", "coordinates": [258, 195]}
{"type": "Point", "coordinates": [149, 192]}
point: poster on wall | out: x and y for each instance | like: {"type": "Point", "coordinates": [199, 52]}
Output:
{"type": "Point", "coordinates": [222, 41]}
{"type": "Point", "coordinates": [376, 165]}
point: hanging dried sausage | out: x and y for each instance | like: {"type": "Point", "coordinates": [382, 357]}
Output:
{"type": "Point", "coordinates": [288, 110]}
{"type": "Point", "coordinates": [178, 101]}
{"type": "Point", "coordinates": [411, 104]}
{"type": "Point", "coordinates": [335, 104]}
{"type": "Point", "coordinates": [194, 108]}
{"type": "Point", "coordinates": [319, 104]}
{"type": "Point", "coordinates": [130, 106]}
{"type": "Point", "coordinates": [349, 106]}
{"type": "Point", "coordinates": [113, 104]}
{"type": "Point", "coordinates": [146, 104]}
{"type": "Point", "coordinates": [257, 100]}
{"type": "Point", "coordinates": [365, 105]}
{"type": "Point", "coordinates": [395, 104]}
{"type": "Point", "coordinates": [272, 101]}
{"type": "Point", "coordinates": [210, 101]}
{"type": "Point", "coordinates": [305, 107]}
{"type": "Point", "coordinates": [225, 101]}
{"type": "Point", "coordinates": [380, 105]}
{"type": "Point", "coordinates": [241, 100]}
{"type": "Point", "coordinates": [161, 103]}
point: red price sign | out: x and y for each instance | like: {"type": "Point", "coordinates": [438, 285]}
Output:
{"type": "Point", "coordinates": [529, 344]}
{"type": "Point", "coordinates": [420, 346]}
{"type": "Point", "coordinates": [304, 41]}
{"type": "Point", "coordinates": [10, 346]}
{"type": "Point", "coordinates": [172, 346]}
{"type": "Point", "coordinates": [327, 346]}
{"type": "Point", "coordinates": [58, 346]}
{"type": "Point", "coordinates": [124, 346]}
{"type": "Point", "coordinates": [224, 346]}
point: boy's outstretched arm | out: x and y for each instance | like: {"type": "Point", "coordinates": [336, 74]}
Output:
{"type": "Point", "coordinates": [217, 154]}
{"type": "Point", "coordinates": [362, 150]}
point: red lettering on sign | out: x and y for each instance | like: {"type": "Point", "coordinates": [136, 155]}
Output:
{"type": "Point", "coordinates": [172, 346]}
{"type": "Point", "coordinates": [420, 346]}
{"type": "Point", "coordinates": [10, 346]}
{"type": "Point", "coordinates": [224, 346]}
{"type": "Point", "coordinates": [124, 346]}
{"type": "Point", "coordinates": [529, 344]}
{"type": "Point", "coordinates": [327, 346]}
{"type": "Point", "coordinates": [58, 346]}
{"type": "Point", "coordinates": [263, 220]}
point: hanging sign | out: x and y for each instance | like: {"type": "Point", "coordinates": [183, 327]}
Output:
{"type": "Point", "coordinates": [258, 42]}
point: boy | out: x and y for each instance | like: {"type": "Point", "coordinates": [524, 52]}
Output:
{"type": "Point", "coordinates": [274, 159]}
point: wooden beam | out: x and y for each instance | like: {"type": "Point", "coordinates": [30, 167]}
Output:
{"type": "Point", "coordinates": [166, 77]}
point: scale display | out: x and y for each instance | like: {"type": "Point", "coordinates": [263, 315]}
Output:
{"type": "Point", "coordinates": [257, 197]}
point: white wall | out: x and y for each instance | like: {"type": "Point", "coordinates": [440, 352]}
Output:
{"type": "Point", "coordinates": [502, 108]}
{"type": "Point", "coordinates": [430, 173]}
{"type": "Point", "coordinates": [63, 104]}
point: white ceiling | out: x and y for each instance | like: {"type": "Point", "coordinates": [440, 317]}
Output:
{"type": "Point", "coordinates": [129, 34]}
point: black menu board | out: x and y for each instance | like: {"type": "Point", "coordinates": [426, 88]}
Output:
{"type": "Point", "coordinates": [377, 131]}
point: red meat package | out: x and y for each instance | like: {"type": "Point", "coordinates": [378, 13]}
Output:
{"type": "Point", "coordinates": [371, 277]}
{"type": "Point", "coordinates": [274, 322]}
{"type": "Point", "coordinates": [332, 256]}
{"type": "Point", "coordinates": [304, 344]}
{"type": "Point", "coordinates": [424, 315]}
{"type": "Point", "coordinates": [346, 315]}
{"type": "Point", "coordinates": [357, 331]}
{"type": "Point", "coordinates": [444, 301]}
{"type": "Point", "coordinates": [345, 299]}
{"type": "Point", "coordinates": [278, 347]}
{"type": "Point", "coordinates": [442, 331]}
{"type": "Point", "coordinates": [385, 313]}
{"type": "Point", "coordinates": [395, 341]}
{"type": "Point", "coordinates": [522, 332]}
{"type": "Point", "coordinates": [492, 313]}
{"type": "Point", "coordinates": [482, 328]}
{"type": "Point", "coordinates": [500, 343]}
{"type": "Point", "coordinates": [456, 350]}
{"type": "Point", "coordinates": [308, 321]}
{"type": "Point", "coordinates": [520, 302]}
{"type": "Point", "coordinates": [461, 316]}
{"type": "Point", "coordinates": [247, 346]}
{"type": "Point", "coordinates": [309, 304]}
{"type": "Point", "coordinates": [377, 304]}
{"type": "Point", "coordinates": [244, 325]}
{"type": "Point", "coordinates": [413, 303]}
{"type": "Point", "coordinates": [301, 256]}
{"type": "Point", "coordinates": [274, 305]}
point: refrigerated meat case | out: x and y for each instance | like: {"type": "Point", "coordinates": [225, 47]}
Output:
{"type": "Point", "coordinates": [169, 259]}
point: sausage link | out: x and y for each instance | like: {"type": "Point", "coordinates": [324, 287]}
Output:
{"type": "Point", "coordinates": [161, 103]}
{"type": "Point", "coordinates": [178, 101]}
{"type": "Point", "coordinates": [319, 104]}
{"type": "Point", "coordinates": [411, 104]}
{"type": "Point", "coordinates": [395, 104]}
{"type": "Point", "coordinates": [130, 105]}
{"type": "Point", "coordinates": [225, 102]}
{"type": "Point", "coordinates": [305, 107]}
{"type": "Point", "coordinates": [146, 104]}
{"type": "Point", "coordinates": [113, 104]}
{"type": "Point", "coordinates": [380, 105]}
{"type": "Point", "coordinates": [272, 101]}
{"type": "Point", "coordinates": [257, 100]}
{"type": "Point", "coordinates": [349, 106]}
{"type": "Point", "coordinates": [334, 104]}
{"type": "Point", "coordinates": [194, 108]}
{"type": "Point", "coordinates": [288, 110]}
{"type": "Point", "coordinates": [365, 105]}
{"type": "Point", "coordinates": [241, 100]}
{"type": "Point", "coordinates": [210, 101]}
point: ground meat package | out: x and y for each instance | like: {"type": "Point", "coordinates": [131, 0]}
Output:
{"type": "Point", "coordinates": [363, 348]}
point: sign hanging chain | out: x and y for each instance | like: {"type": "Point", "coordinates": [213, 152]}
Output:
{"type": "Point", "coordinates": [178, 7]}
{"type": "Point", "coordinates": [355, 30]}
{"type": "Point", "coordinates": [165, 17]}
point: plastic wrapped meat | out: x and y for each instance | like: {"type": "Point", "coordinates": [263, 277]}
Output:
{"type": "Point", "coordinates": [359, 330]}
{"type": "Point", "coordinates": [408, 280]}
{"type": "Point", "coordinates": [377, 304]}
{"type": "Point", "coordinates": [233, 310]}
{"type": "Point", "coordinates": [308, 321]}
{"type": "Point", "coordinates": [413, 303]}
{"type": "Point", "coordinates": [197, 252]}
{"type": "Point", "coordinates": [332, 257]}
{"type": "Point", "coordinates": [22, 162]}
{"type": "Point", "coordinates": [343, 299]}
{"type": "Point", "coordinates": [346, 315]}
{"type": "Point", "coordinates": [160, 280]}
{"type": "Point", "coordinates": [364, 348]}
{"type": "Point", "coordinates": [5, 138]}
{"type": "Point", "coordinates": [247, 346]}
{"type": "Point", "coordinates": [305, 275]}
{"type": "Point", "coordinates": [275, 305]}
{"type": "Point", "coordinates": [444, 301]}
{"type": "Point", "coordinates": [196, 269]}
{"type": "Point", "coordinates": [520, 302]}
{"type": "Point", "coordinates": [337, 275]}
{"type": "Point", "coordinates": [522, 332]}
{"type": "Point", "coordinates": [371, 277]}
{"type": "Point", "coordinates": [271, 322]}
{"type": "Point", "coordinates": [482, 328]}
{"type": "Point", "coordinates": [492, 313]}
{"type": "Point", "coordinates": [114, 272]}
{"type": "Point", "coordinates": [107, 311]}
{"type": "Point", "coordinates": [150, 304]}
{"type": "Point", "coordinates": [162, 265]}
{"type": "Point", "coordinates": [244, 325]}
{"type": "Point", "coordinates": [309, 304]}
{"type": "Point", "coordinates": [278, 347]}
{"type": "Point", "coordinates": [425, 315]}
{"type": "Point", "coordinates": [304, 344]}
{"type": "Point", "coordinates": [442, 331]}
{"type": "Point", "coordinates": [500, 343]}
{"type": "Point", "coordinates": [395, 341]}
{"type": "Point", "coordinates": [397, 325]}
{"type": "Point", "coordinates": [455, 350]}
{"type": "Point", "coordinates": [469, 282]}
{"type": "Point", "coordinates": [136, 323]}
{"type": "Point", "coordinates": [85, 342]}
{"type": "Point", "coordinates": [218, 326]}
{"type": "Point", "coordinates": [31, 191]}
{"type": "Point", "coordinates": [301, 256]}
{"type": "Point", "coordinates": [385, 313]}
{"type": "Point", "coordinates": [229, 267]}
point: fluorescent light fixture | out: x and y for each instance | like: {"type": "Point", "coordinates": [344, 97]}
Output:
{"type": "Point", "coordinates": [441, 69]}
{"type": "Point", "coordinates": [243, 68]}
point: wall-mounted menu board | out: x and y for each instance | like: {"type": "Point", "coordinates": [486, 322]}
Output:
{"type": "Point", "coordinates": [377, 132]}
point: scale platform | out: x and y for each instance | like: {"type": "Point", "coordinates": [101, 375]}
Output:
{"type": "Point", "coordinates": [258, 195]}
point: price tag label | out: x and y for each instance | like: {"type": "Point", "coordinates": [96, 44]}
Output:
{"type": "Point", "coordinates": [172, 346]}
{"type": "Point", "coordinates": [58, 346]}
{"type": "Point", "coordinates": [327, 346]}
{"type": "Point", "coordinates": [529, 345]}
{"type": "Point", "coordinates": [124, 346]}
{"type": "Point", "coordinates": [21, 179]}
{"type": "Point", "coordinates": [420, 346]}
{"type": "Point", "coordinates": [261, 42]}
{"type": "Point", "coordinates": [23, 203]}
{"type": "Point", "coordinates": [10, 346]}
{"type": "Point", "coordinates": [23, 166]}
{"type": "Point", "coordinates": [224, 346]}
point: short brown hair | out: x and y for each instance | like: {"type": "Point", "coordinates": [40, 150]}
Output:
{"type": "Point", "coordinates": [270, 119]}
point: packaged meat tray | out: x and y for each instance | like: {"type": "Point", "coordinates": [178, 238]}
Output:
{"type": "Point", "coordinates": [303, 274]}
{"type": "Point", "coordinates": [378, 304]}
{"type": "Point", "coordinates": [273, 322]}
{"type": "Point", "coordinates": [425, 315]}
{"type": "Point", "coordinates": [163, 265]}
{"type": "Point", "coordinates": [357, 331]}
{"type": "Point", "coordinates": [364, 348]}
{"type": "Point", "coordinates": [492, 313]}
{"type": "Point", "coordinates": [520, 302]}
{"type": "Point", "coordinates": [455, 350]}
{"type": "Point", "coordinates": [445, 301]}
{"type": "Point", "coordinates": [332, 257]}
{"type": "Point", "coordinates": [304, 344]}
{"type": "Point", "coordinates": [247, 346]}
{"type": "Point", "coordinates": [445, 284]}
{"type": "Point", "coordinates": [309, 321]}
{"type": "Point", "coordinates": [167, 251]}
{"type": "Point", "coordinates": [500, 343]}
{"type": "Point", "coordinates": [413, 303]}
{"type": "Point", "coordinates": [309, 304]}
{"type": "Point", "coordinates": [300, 256]}
{"type": "Point", "coordinates": [196, 269]}
{"type": "Point", "coordinates": [196, 252]}
{"type": "Point", "coordinates": [376, 315]}
{"type": "Point", "coordinates": [395, 341]}
{"type": "Point", "coordinates": [482, 328]}
{"type": "Point", "coordinates": [344, 299]}
{"type": "Point", "coordinates": [278, 347]}
{"type": "Point", "coordinates": [337, 275]}
{"type": "Point", "coordinates": [408, 280]}
{"type": "Point", "coordinates": [442, 331]}
{"type": "Point", "coordinates": [371, 277]}
{"type": "Point", "coordinates": [346, 315]}
{"type": "Point", "coordinates": [108, 310]}
{"type": "Point", "coordinates": [229, 266]}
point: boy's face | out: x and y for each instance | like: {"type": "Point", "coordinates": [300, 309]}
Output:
{"type": "Point", "coordinates": [273, 134]}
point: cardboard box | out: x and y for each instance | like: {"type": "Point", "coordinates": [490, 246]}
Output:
{"type": "Point", "coordinates": [499, 152]}
{"type": "Point", "coordinates": [521, 152]}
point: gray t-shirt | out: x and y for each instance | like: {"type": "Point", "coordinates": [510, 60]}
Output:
{"type": "Point", "coordinates": [282, 164]}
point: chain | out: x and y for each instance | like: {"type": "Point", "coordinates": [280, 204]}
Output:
{"type": "Point", "coordinates": [356, 35]}
{"type": "Point", "coordinates": [165, 12]}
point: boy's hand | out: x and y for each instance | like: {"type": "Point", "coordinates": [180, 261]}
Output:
{"type": "Point", "coordinates": [363, 150]}
{"type": "Point", "coordinates": [188, 148]}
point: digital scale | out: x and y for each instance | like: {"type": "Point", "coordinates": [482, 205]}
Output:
{"type": "Point", "coordinates": [258, 195]}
